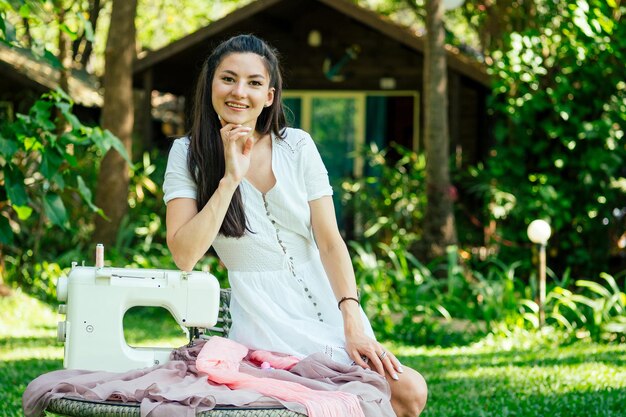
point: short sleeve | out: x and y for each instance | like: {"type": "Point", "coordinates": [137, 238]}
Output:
{"type": "Point", "coordinates": [178, 182]}
{"type": "Point", "coordinates": [315, 173]}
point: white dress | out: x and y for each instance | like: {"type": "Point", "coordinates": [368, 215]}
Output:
{"type": "Point", "coordinates": [281, 298]}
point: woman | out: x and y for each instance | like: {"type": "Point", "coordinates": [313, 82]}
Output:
{"type": "Point", "coordinates": [258, 192]}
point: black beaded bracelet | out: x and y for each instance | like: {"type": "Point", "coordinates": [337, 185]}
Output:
{"type": "Point", "coordinates": [346, 298]}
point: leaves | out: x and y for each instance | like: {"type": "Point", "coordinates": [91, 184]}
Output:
{"type": "Point", "coordinates": [555, 157]}
{"type": "Point", "coordinates": [6, 234]}
{"type": "Point", "coordinates": [39, 184]}
{"type": "Point", "coordinates": [85, 193]}
{"type": "Point", "coordinates": [23, 212]}
{"type": "Point", "coordinates": [8, 148]}
{"type": "Point", "coordinates": [14, 185]}
{"type": "Point", "coordinates": [55, 210]}
{"type": "Point", "coordinates": [106, 140]}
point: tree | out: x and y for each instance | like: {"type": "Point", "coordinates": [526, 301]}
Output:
{"type": "Point", "coordinates": [117, 116]}
{"type": "Point", "coordinates": [559, 108]}
{"type": "Point", "coordinates": [82, 46]}
{"type": "Point", "coordinates": [439, 224]}
{"type": "Point", "coordinates": [46, 155]}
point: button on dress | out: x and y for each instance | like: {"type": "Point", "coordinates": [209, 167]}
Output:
{"type": "Point", "coordinates": [281, 298]}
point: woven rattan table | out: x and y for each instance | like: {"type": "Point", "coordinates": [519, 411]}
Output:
{"type": "Point", "coordinates": [74, 407]}
{"type": "Point", "coordinates": [83, 408]}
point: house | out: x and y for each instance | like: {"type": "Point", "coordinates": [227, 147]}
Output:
{"type": "Point", "coordinates": [351, 77]}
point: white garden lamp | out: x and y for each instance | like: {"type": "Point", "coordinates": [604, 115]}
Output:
{"type": "Point", "coordinates": [539, 232]}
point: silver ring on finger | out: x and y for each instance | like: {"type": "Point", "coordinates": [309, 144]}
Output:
{"type": "Point", "coordinates": [382, 355]}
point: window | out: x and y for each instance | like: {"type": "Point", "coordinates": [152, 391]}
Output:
{"type": "Point", "coordinates": [342, 122]}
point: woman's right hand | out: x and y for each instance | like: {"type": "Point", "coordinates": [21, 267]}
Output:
{"type": "Point", "coordinates": [238, 143]}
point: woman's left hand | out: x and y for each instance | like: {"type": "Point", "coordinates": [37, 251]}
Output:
{"type": "Point", "coordinates": [370, 354]}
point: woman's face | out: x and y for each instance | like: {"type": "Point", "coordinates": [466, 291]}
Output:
{"type": "Point", "coordinates": [241, 88]}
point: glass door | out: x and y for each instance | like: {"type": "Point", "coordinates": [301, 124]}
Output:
{"type": "Point", "coordinates": [341, 122]}
{"type": "Point", "coordinates": [336, 124]}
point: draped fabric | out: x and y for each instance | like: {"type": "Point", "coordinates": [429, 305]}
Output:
{"type": "Point", "coordinates": [178, 389]}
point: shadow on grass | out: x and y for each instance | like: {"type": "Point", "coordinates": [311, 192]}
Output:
{"type": "Point", "coordinates": [15, 376]}
{"type": "Point", "coordinates": [438, 332]}
{"type": "Point", "coordinates": [29, 342]}
{"type": "Point", "coordinates": [574, 381]}
{"type": "Point", "coordinates": [610, 356]}
{"type": "Point", "coordinates": [493, 397]}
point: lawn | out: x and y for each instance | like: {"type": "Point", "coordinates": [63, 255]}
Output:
{"type": "Point", "coordinates": [520, 376]}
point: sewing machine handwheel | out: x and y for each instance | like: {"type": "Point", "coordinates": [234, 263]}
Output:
{"type": "Point", "coordinates": [61, 331]}
{"type": "Point", "coordinates": [62, 289]}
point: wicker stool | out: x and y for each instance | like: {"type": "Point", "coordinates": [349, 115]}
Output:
{"type": "Point", "coordinates": [74, 407]}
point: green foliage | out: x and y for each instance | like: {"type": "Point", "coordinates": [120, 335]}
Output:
{"type": "Point", "coordinates": [35, 25]}
{"type": "Point", "coordinates": [515, 379]}
{"type": "Point", "coordinates": [390, 201]}
{"type": "Point", "coordinates": [560, 114]}
{"type": "Point", "coordinates": [408, 302]}
{"type": "Point", "coordinates": [447, 303]}
{"type": "Point", "coordinates": [402, 297]}
{"type": "Point", "coordinates": [589, 310]}
{"type": "Point", "coordinates": [45, 202]}
{"type": "Point", "coordinates": [161, 22]}
{"type": "Point", "coordinates": [496, 291]}
{"type": "Point", "coordinates": [49, 163]}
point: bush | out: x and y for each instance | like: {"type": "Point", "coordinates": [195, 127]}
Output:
{"type": "Point", "coordinates": [559, 106]}
{"type": "Point", "coordinates": [448, 303]}
{"type": "Point", "coordinates": [46, 203]}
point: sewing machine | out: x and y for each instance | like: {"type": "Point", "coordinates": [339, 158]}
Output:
{"type": "Point", "coordinates": [98, 297]}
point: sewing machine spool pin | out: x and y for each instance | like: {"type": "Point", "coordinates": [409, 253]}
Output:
{"type": "Point", "coordinates": [99, 255]}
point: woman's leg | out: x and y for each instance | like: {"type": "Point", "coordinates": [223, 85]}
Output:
{"type": "Point", "coordinates": [409, 393]}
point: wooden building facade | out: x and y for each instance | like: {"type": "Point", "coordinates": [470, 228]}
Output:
{"type": "Point", "coordinates": [351, 77]}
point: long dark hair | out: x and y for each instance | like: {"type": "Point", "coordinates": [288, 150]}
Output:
{"type": "Point", "coordinates": [206, 151]}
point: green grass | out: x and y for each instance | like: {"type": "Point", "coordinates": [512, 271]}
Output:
{"type": "Point", "coordinates": [520, 376]}
{"type": "Point", "coordinates": [577, 380]}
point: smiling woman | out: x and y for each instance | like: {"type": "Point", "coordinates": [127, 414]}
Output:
{"type": "Point", "coordinates": [258, 192]}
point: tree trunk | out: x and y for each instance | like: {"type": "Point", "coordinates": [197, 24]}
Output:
{"type": "Point", "coordinates": [64, 49]}
{"type": "Point", "coordinates": [84, 43]}
{"type": "Point", "coordinates": [117, 116]}
{"type": "Point", "coordinates": [28, 38]}
{"type": "Point", "coordinates": [439, 224]}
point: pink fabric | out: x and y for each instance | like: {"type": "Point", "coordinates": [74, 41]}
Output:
{"type": "Point", "coordinates": [220, 359]}
{"type": "Point", "coordinates": [177, 389]}
{"type": "Point", "coordinates": [275, 360]}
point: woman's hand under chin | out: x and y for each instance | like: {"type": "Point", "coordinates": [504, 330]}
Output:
{"type": "Point", "coordinates": [238, 143]}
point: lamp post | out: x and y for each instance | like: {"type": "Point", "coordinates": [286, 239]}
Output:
{"type": "Point", "coordinates": [539, 232]}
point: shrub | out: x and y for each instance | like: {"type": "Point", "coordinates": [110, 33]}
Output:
{"type": "Point", "coordinates": [45, 200]}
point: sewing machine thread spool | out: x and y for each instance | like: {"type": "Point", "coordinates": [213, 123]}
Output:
{"type": "Point", "coordinates": [99, 255]}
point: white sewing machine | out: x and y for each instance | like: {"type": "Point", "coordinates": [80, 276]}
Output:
{"type": "Point", "coordinates": [98, 297]}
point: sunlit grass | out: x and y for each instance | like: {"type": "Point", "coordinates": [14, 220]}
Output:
{"type": "Point", "coordinates": [583, 379]}
{"type": "Point", "coordinates": [522, 375]}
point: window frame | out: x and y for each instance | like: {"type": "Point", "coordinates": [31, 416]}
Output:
{"type": "Point", "coordinates": [306, 98]}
